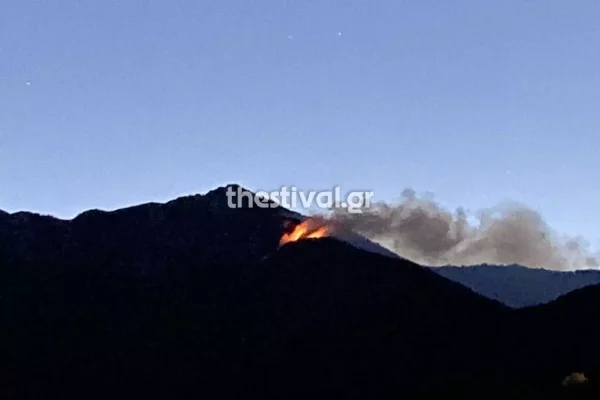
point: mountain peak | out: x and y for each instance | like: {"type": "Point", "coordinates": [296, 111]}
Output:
{"type": "Point", "coordinates": [221, 190]}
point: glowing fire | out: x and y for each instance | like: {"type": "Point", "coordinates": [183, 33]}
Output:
{"type": "Point", "coordinates": [309, 229]}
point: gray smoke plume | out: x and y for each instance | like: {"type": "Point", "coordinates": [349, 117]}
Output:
{"type": "Point", "coordinates": [421, 230]}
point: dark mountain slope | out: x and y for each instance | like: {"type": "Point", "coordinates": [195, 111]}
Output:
{"type": "Point", "coordinates": [178, 300]}
{"type": "Point", "coordinates": [314, 317]}
{"type": "Point", "coordinates": [322, 317]}
{"type": "Point", "coordinates": [348, 322]}
{"type": "Point", "coordinates": [145, 238]}
{"type": "Point", "coordinates": [568, 328]}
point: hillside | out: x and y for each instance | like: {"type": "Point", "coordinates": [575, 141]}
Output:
{"type": "Point", "coordinates": [193, 299]}
{"type": "Point", "coordinates": [518, 286]}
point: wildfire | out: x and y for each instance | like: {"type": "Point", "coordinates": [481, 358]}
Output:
{"type": "Point", "coordinates": [309, 229]}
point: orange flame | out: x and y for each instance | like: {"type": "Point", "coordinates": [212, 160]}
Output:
{"type": "Point", "coordinates": [309, 229]}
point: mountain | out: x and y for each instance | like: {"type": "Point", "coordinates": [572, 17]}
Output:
{"type": "Point", "coordinates": [192, 299]}
{"type": "Point", "coordinates": [568, 329]}
{"type": "Point", "coordinates": [518, 286]}
{"type": "Point", "coordinates": [147, 238]}
{"type": "Point", "coordinates": [144, 239]}
{"type": "Point", "coordinates": [348, 323]}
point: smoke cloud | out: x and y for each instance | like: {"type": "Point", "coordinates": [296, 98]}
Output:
{"type": "Point", "coordinates": [421, 230]}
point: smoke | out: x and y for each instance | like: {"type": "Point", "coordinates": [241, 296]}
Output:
{"type": "Point", "coordinates": [421, 230]}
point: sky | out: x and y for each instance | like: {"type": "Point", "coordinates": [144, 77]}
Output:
{"type": "Point", "coordinates": [105, 104]}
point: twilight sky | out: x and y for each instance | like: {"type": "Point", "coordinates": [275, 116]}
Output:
{"type": "Point", "coordinates": [110, 103]}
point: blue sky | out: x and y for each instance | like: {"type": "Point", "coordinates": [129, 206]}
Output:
{"type": "Point", "coordinates": [111, 103]}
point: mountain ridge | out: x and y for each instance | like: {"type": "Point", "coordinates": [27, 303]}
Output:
{"type": "Point", "coordinates": [179, 300]}
{"type": "Point", "coordinates": [514, 285]}
{"type": "Point", "coordinates": [519, 286]}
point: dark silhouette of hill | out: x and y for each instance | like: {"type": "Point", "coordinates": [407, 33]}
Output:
{"type": "Point", "coordinates": [191, 299]}
{"type": "Point", "coordinates": [568, 328]}
{"type": "Point", "coordinates": [146, 238]}
{"type": "Point", "coordinates": [363, 324]}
